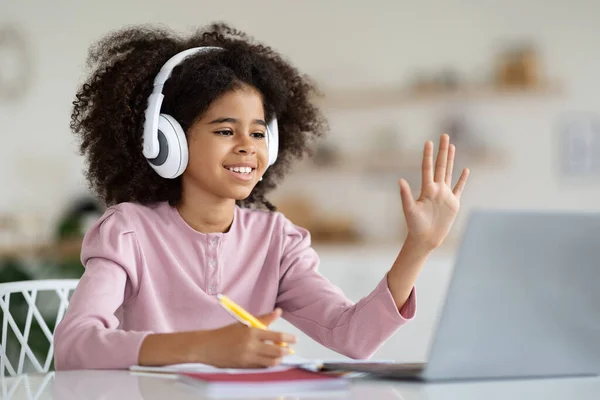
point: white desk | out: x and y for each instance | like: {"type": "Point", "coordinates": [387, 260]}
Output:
{"type": "Point", "coordinates": [89, 385]}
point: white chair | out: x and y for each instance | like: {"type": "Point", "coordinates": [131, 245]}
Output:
{"type": "Point", "coordinates": [29, 290]}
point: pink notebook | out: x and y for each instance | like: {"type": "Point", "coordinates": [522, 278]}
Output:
{"type": "Point", "coordinates": [292, 380]}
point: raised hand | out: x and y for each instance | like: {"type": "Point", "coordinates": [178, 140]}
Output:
{"type": "Point", "coordinates": [431, 216]}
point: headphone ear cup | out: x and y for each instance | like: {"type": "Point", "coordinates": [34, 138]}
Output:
{"type": "Point", "coordinates": [172, 158]}
{"type": "Point", "coordinates": [272, 140]}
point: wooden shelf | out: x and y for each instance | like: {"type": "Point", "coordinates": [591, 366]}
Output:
{"type": "Point", "coordinates": [68, 249]}
{"type": "Point", "coordinates": [396, 163]}
{"type": "Point", "coordinates": [391, 96]}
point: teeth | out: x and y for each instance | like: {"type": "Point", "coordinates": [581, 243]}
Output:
{"type": "Point", "coordinates": [241, 170]}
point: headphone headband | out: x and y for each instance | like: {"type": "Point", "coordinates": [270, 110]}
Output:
{"type": "Point", "coordinates": [167, 68]}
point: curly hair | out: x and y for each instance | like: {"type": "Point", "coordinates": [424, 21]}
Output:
{"type": "Point", "coordinates": [108, 113]}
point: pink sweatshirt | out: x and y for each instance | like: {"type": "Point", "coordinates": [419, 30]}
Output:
{"type": "Point", "coordinates": [147, 271]}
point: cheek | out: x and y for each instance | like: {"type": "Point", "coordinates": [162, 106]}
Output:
{"type": "Point", "coordinates": [206, 153]}
{"type": "Point", "coordinates": [263, 153]}
{"type": "Point", "coordinates": [197, 156]}
{"type": "Point", "coordinates": [262, 159]}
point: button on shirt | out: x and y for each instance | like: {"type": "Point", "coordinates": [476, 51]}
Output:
{"type": "Point", "coordinates": [147, 271]}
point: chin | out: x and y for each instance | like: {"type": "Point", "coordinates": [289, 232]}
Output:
{"type": "Point", "coordinates": [238, 194]}
{"type": "Point", "coordinates": [233, 190]}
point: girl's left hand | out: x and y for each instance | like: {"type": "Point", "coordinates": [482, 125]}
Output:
{"type": "Point", "coordinates": [431, 216]}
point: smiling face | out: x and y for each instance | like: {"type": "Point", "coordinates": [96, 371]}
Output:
{"type": "Point", "coordinates": [227, 147]}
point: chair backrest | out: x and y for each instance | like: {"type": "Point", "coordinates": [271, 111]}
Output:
{"type": "Point", "coordinates": [36, 309]}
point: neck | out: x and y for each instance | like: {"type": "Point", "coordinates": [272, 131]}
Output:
{"type": "Point", "coordinates": [206, 214]}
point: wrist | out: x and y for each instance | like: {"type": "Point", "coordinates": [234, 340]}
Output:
{"type": "Point", "coordinates": [194, 349]}
{"type": "Point", "coordinates": [173, 348]}
{"type": "Point", "coordinates": [417, 246]}
{"type": "Point", "coordinates": [411, 258]}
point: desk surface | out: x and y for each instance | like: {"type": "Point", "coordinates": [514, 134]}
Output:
{"type": "Point", "coordinates": [89, 385]}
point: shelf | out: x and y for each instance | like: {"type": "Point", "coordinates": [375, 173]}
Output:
{"type": "Point", "coordinates": [68, 249]}
{"type": "Point", "coordinates": [379, 163]}
{"type": "Point", "coordinates": [381, 97]}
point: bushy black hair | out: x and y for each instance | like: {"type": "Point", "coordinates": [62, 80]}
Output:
{"type": "Point", "coordinates": [108, 113]}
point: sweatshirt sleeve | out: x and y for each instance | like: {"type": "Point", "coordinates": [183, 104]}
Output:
{"type": "Point", "coordinates": [321, 310]}
{"type": "Point", "coordinates": [88, 337]}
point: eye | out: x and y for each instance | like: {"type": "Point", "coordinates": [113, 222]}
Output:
{"type": "Point", "coordinates": [259, 135]}
{"type": "Point", "coordinates": [225, 132]}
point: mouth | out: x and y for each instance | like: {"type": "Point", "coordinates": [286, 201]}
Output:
{"type": "Point", "coordinates": [242, 173]}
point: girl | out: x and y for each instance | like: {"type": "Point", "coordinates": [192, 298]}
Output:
{"type": "Point", "coordinates": [183, 138]}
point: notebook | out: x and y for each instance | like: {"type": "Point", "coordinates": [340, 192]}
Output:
{"type": "Point", "coordinates": [265, 383]}
{"type": "Point", "coordinates": [288, 362]}
{"type": "Point", "coordinates": [193, 367]}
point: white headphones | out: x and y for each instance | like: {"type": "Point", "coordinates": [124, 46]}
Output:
{"type": "Point", "coordinates": [165, 144]}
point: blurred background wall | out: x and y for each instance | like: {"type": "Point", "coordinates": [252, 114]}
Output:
{"type": "Point", "coordinates": [514, 83]}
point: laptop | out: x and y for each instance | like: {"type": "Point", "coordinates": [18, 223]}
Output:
{"type": "Point", "coordinates": [523, 302]}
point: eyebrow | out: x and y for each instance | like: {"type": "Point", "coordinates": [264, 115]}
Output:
{"type": "Point", "coordinates": [233, 121]}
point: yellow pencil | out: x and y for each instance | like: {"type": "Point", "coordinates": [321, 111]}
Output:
{"type": "Point", "coordinates": [243, 316]}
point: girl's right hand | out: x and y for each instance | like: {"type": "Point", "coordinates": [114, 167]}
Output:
{"type": "Point", "coordinates": [239, 346]}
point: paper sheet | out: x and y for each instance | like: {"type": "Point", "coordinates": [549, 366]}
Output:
{"type": "Point", "coordinates": [287, 363]}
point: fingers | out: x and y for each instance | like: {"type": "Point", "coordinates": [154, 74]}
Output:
{"type": "Point", "coordinates": [275, 337]}
{"type": "Point", "coordinates": [408, 200]}
{"type": "Point", "coordinates": [272, 346]}
{"type": "Point", "coordinates": [272, 350]}
{"type": "Point", "coordinates": [462, 181]}
{"type": "Point", "coordinates": [427, 173]}
{"type": "Point", "coordinates": [271, 317]}
{"type": "Point", "coordinates": [450, 164]}
{"type": "Point", "coordinates": [442, 159]}
{"type": "Point", "coordinates": [254, 359]}
{"type": "Point", "coordinates": [260, 348]}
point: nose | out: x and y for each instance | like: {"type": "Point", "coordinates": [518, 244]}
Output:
{"type": "Point", "coordinates": [245, 145]}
